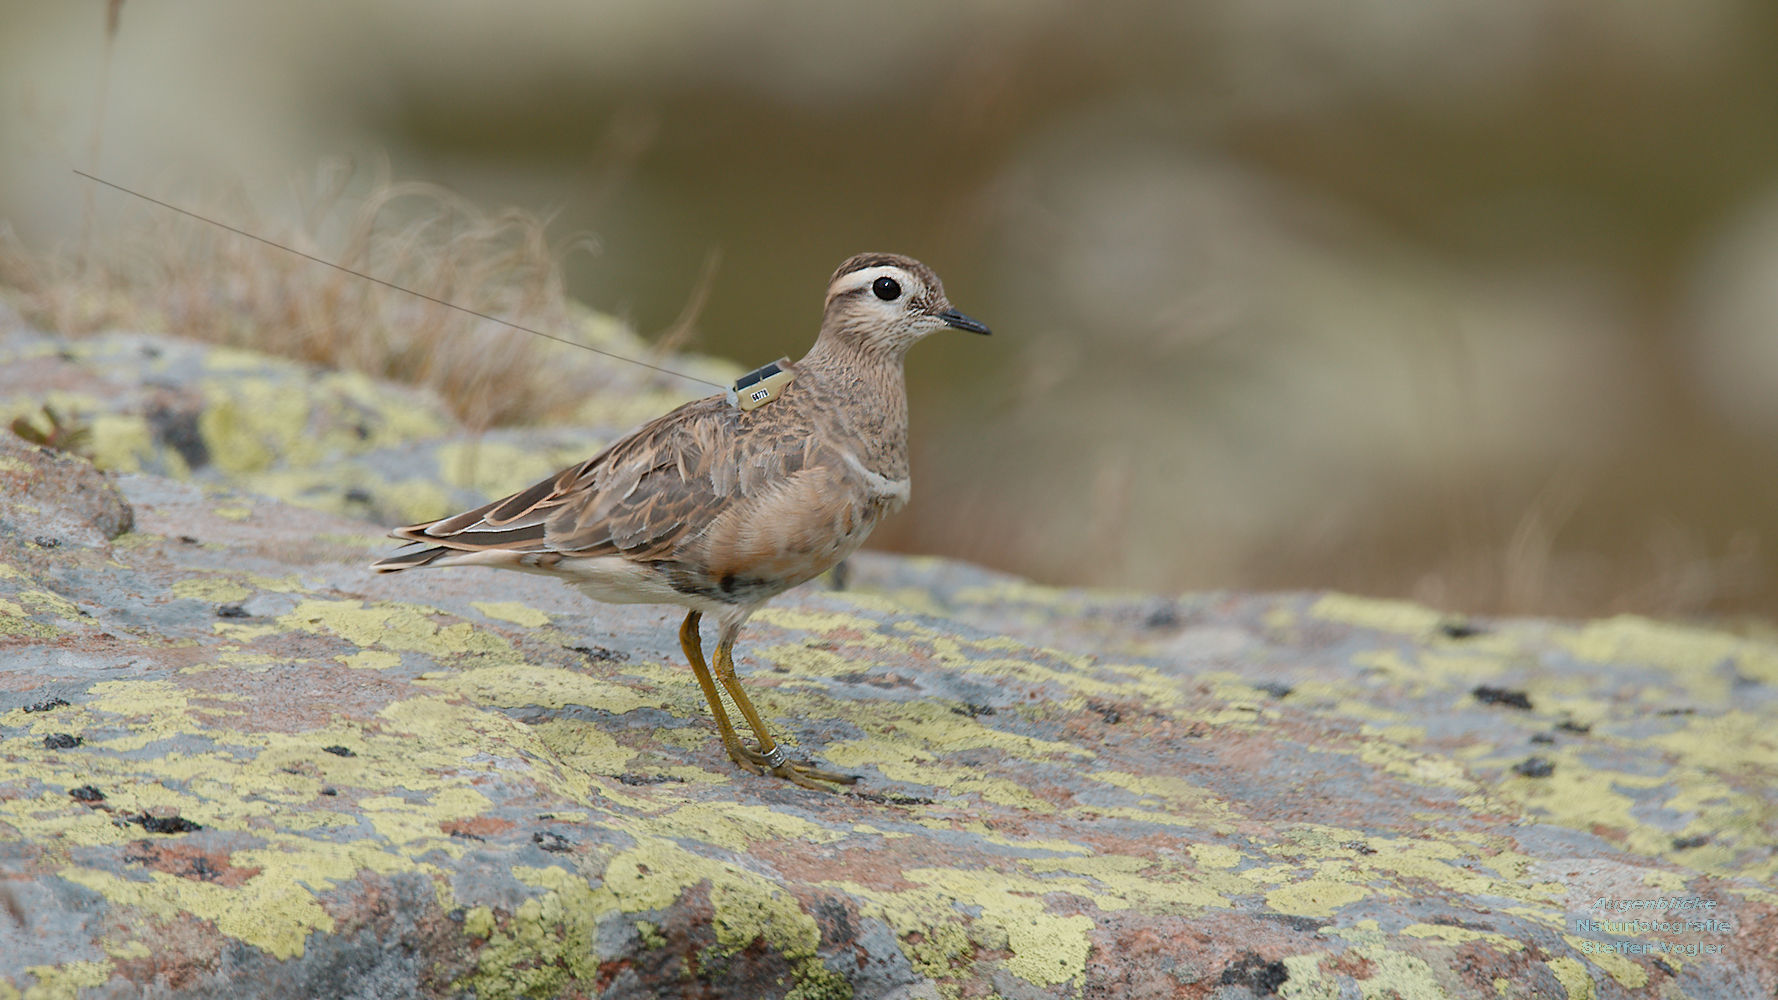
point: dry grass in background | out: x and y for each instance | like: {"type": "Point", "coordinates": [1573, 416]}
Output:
{"type": "Point", "coordinates": [186, 278]}
{"type": "Point", "coordinates": [180, 276]}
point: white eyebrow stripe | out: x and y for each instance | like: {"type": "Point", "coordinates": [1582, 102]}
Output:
{"type": "Point", "coordinates": [863, 279]}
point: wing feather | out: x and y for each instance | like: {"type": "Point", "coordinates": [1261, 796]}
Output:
{"type": "Point", "coordinates": [644, 497]}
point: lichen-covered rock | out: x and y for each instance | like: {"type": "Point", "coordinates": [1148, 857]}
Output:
{"type": "Point", "coordinates": [233, 762]}
{"type": "Point", "coordinates": [53, 497]}
{"type": "Point", "coordinates": [330, 440]}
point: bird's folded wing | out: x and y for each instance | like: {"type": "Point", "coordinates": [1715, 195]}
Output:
{"type": "Point", "coordinates": [643, 496]}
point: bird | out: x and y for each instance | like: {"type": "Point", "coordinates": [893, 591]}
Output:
{"type": "Point", "coordinates": [726, 502]}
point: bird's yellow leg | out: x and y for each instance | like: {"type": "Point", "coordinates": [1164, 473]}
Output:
{"type": "Point", "coordinates": [693, 646]}
{"type": "Point", "coordinates": [770, 754]}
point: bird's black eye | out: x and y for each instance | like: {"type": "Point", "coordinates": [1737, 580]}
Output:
{"type": "Point", "coordinates": [886, 289]}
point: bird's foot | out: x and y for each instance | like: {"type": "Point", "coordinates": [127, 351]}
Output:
{"type": "Point", "coordinates": [810, 776]}
{"type": "Point", "coordinates": [775, 762]}
{"type": "Point", "coordinates": [745, 759]}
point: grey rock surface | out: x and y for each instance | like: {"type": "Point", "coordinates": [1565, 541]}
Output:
{"type": "Point", "coordinates": [237, 763]}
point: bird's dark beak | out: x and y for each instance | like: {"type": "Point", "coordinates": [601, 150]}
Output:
{"type": "Point", "coordinates": [954, 318]}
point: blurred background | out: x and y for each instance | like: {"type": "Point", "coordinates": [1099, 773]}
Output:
{"type": "Point", "coordinates": [1468, 302]}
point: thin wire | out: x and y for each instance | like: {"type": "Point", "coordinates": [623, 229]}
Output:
{"type": "Point", "coordinates": [391, 284]}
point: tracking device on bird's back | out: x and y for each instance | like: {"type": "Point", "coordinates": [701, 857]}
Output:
{"type": "Point", "coordinates": [761, 385]}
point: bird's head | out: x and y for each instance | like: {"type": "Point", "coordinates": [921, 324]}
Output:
{"type": "Point", "coordinates": [883, 303]}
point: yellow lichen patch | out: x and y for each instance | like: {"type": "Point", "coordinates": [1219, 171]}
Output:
{"type": "Point", "coordinates": [127, 949]}
{"type": "Point", "coordinates": [131, 541]}
{"type": "Point", "coordinates": [48, 815]}
{"type": "Point", "coordinates": [1366, 932]}
{"type": "Point", "coordinates": [736, 827]}
{"type": "Point", "coordinates": [223, 360]}
{"type": "Point", "coordinates": [1583, 797]}
{"type": "Point", "coordinates": [271, 794]}
{"type": "Point", "coordinates": [518, 685]}
{"type": "Point", "coordinates": [584, 747]}
{"type": "Point", "coordinates": [415, 499]}
{"type": "Point", "coordinates": [251, 423]}
{"type": "Point", "coordinates": [1572, 974]}
{"type": "Point", "coordinates": [1320, 896]}
{"type": "Point", "coordinates": [264, 912]}
{"type": "Point", "coordinates": [288, 584]}
{"type": "Point", "coordinates": [874, 605]}
{"type": "Point", "coordinates": [1214, 855]}
{"type": "Point", "coordinates": [1382, 752]}
{"type": "Point", "coordinates": [512, 611]}
{"type": "Point", "coordinates": [1732, 740]}
{"type": "Point", "coordinates": [371, 659]}
{"type": "Point", "coordinates": [1664, 883]}
{"type": "Point", "coordinates": [311, 866]}
{"type": "Point", "coordinates": [802, 661]}
{"type": "Point", "coordinates": [1024, 844]}
{"type": "Point", "coordinates": [1010, 591]}
{"type": "Point", "coordinates": [496, 469]}
{"type": "Point", "coordinates": [961, 781]}
{"type": "Point", "coordinates": [1622, 969]}
{"type": "Point", "coordinates": [124, 442]}
{"type": "Point", "coordinates": [417, 827]}
{"type": "Point", "coordinates": [626, 409]}
{"type": "Point", "coordinates": [911, 600]}
{"type": "Point", "coordinates": [548, 942]}
{"type": "Point", "coordinates": [1081, 673]}
{"type": "Point", "coordinates": [1306, 978]}
{"type": "Point", "coordinates": [43, 604]}
{"type": "Point", "coordinates": [1372, 613]}
{"type": "Point", "coordinates": [930, 726]}
{"type": "Point", "coordinates": [918, 735]}
{"type": "Point", "coordinates": [1423, 673]}
{"type": "Point", "coordinates": [16, 621]}
{"type": "Point", "coordinates": [211, 590]}
{"type": "Point", "coordinates": [323, 487]}
{"type": "Point", "coordinates": [1461, 935]}
{"type": "Point", "coordinates": [1393, 973]}
{"type": "Point", "coordinates": [937, 934]}
{"type": "Point", "coordinates": [1458, 867]}
{"type": "Point", "coordinates": [242, 660]}
{"type": "Point", "coordinates": [807, 620]}
{"type": "Point", "coordinates": [1343, 703]}
{"type": "Point", "coordinates": [1430, 670]}
{"type": "Point", "coordinates": [1315, 840]}
{"type": "Point", "coordinates": [1152, 688]}
{"type": "Point", "coordinates": [1120, 882]}
{"type": "Point", "coordinates": [1691, 654]}
{"type": "Point", "coordinates": [1397, 974]}
{"type": "Point", "coordinates": [1729, 816]}
{"type": "Point", "coordinates": [65, 980]}
{"type": "Point", "coordinates": [383, 625]}
{"type": "Point", "coordinates": [396, 420]}
{"type": "Point", "coordinates": [1176, 796]}
{"type": "Point", "coordinates": [461, 732]}
{"type": "Point", "coordinates": [155, 710]}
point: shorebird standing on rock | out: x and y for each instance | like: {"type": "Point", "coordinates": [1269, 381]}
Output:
{"type": "Point", "coordinates": [727, 502]}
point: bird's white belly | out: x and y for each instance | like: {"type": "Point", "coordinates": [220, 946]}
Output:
{"type": "Point", "coordinates": [616, 580]}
